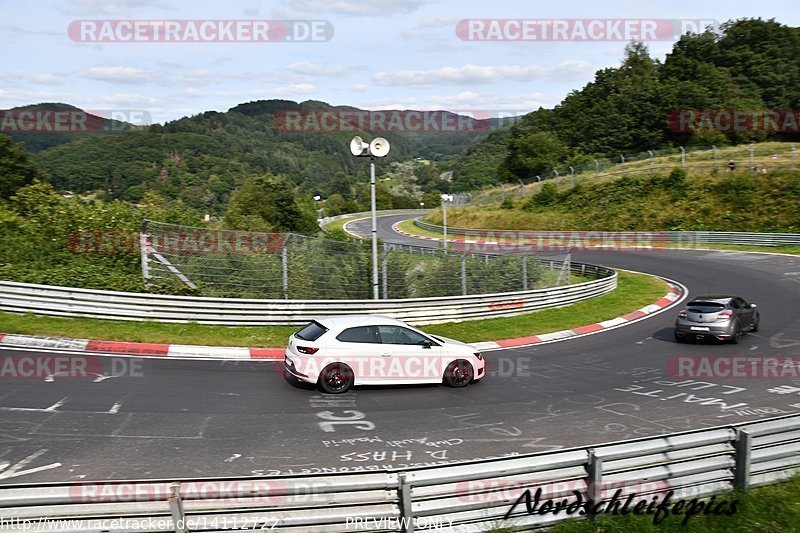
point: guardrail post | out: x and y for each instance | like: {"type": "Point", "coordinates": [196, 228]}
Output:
{"type": "Point", "coordinates": [594, 481]}
{"type": "Point", "coordinates": [176, 508]}
{"type": "Point", "coordinates": [744, 447]}
{"type": "Point", "coordinates": [404, 494]}
{"type": "Point", "coordinates": [464, 274]}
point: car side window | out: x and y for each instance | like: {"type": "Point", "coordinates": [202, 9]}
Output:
{"type": "Point", "coordinates": [738, 303]}
{"type": "Point", "coordinates": [400, 335]}
{"type": "Point", "coordinates": [360, 334]}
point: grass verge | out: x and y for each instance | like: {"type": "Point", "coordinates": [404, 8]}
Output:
{"type": "Point", "coordinates": [409, 227]}
{"type": "Point", "coordinates": [774, 508]}
{"type": "Point", "coordinates": [634, 291]}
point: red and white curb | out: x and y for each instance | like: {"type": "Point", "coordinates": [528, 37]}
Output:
{"type": "Point", "coordinates": [179, 351]}
{"type": "Point", "coordinates": [676, 294]}
{"type": "Point", "coordinates": [171, 351]}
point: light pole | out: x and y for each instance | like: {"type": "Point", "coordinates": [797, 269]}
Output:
{"type": "Point", "coordinates": [445, 198]}
{"type": "Point", "coordinates": [379, 147]}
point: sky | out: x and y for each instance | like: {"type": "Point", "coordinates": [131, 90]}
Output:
{"type": "Point", "coordinates": [377, 54]}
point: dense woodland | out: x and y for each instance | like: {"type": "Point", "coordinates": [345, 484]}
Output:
{"type": "Point", "coordinates": [248, 174]}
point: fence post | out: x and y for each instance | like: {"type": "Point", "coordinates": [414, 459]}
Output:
{"type": "Point", "coordinates": [683, 158]}
{"type": "Point", "coordinates": [385, 271]}
{"type": "Point", "coordinates": [144, 248]}
{"type": "Point", "coordinates": [651, 162]}
{"type": "Point", "coordinates": [404, 495]}
{"type": "Point", "coordinates": [594, 483]}
{"type": "Point", "coordinates": [572, 175]}
{"type": "Point", "coordinates": [176, 508]}
{"type": "Point", "coordinates": [714, 148]}
{"type": "Point", "coordinates": [524, 272]}
{"type": "Point", "coordinates": [744, 447]}
{"type": "Point", "coordinates": [285, 267]}
{"type": "Point", "coordinates": [792, 167]}
{"type": "Point", "coordinates": [464, 274]}
{"type": "Point", "coordinates": [622, 162]}
{"type": "Point", "coordinates": [752, 148]}
{"type": "Point", "coordinates": [596, 168]}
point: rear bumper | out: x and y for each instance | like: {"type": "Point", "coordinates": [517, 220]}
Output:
{"type": "Point", "coordinates": [709, 330]}
{"type": "Point", "coordinates": [291, 367]}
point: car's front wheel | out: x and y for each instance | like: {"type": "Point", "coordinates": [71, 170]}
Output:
{"type": "Point", "coordinates": [458, 374]}
{"type": "Point", "coordinates": [336, 378]}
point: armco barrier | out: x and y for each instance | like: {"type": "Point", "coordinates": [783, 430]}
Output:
{"type": "Point", "coordinates": [469, 497]}
{"type": "Point", "coordinates": [685, 239]}
{"type": "Point", "coordinates": [74, 302]}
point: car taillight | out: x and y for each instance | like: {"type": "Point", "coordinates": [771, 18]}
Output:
{"type": "Point", "coordinates": [725, 314]}
{"type": "Point", "coordinates": [682, 314]}
{"type": "Point", "coordinates": [307, 350]}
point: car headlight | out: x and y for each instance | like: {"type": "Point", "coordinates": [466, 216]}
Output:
{"type": "Point", "coordinates": [478, 355]}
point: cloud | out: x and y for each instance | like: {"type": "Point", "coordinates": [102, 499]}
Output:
{"type": "Point", "coordinates": [131, 99]}
{"type": "Point", "coordinates": [348, 7]}
{"type": "Point", "coordinates": [476, 75]}
{"type": "Point", "coordinates": [112, 7]}
{"type": "Point", "coordinates": [309, 68]}
{"type": "Point", "coordinates": [358, 88]}
{"type": "Point", "coordinates": [129, 75]}
{"type": "Point", "coordinates": [483, 104]}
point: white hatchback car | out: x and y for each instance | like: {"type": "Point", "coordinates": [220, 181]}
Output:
{"type": "Point", "coordinates": [339, 352]}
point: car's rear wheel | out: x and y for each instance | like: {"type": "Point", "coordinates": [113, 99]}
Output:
{"type": "Point", "coordinates": [680, 338]}
{"type": "Point", "coordinates": [736, 335]}
{"type": "Point", "coordinates": [458, 374]}
{"type": "Point", "coordinates": [336, 378]}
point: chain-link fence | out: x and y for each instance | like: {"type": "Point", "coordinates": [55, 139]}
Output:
{"type": "Point", "coordinates": [229, 263]}
{"type": "Point", "coordinates": [753, 158]}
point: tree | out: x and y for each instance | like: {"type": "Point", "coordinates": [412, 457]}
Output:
{"type": "Point", "coordinates": [268, 203]}
{"type": "Point", "coordinates": [16, 168]}
{"type": "Point", "coordinates": [531, 154]}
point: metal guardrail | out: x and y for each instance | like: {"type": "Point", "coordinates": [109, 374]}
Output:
{"type": "Point", "coordinates": [472, 497]}
{"type": "Point", "coordinates": [686, 239]}
{"type": "Point", "coordinates": [75, 302]}
{"type": "Point", "coordinates": [322, 222]}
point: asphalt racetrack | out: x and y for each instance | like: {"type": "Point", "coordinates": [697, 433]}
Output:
{"type": "Point", "coordinates": [180, 419]}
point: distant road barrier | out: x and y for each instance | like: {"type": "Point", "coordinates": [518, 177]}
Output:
{"type": "Point", "coordinates": [472, 497]}
{"type": "Point", "coordinates": [679, 239]}
{"type": "Point", "coordinates": [76, 302]}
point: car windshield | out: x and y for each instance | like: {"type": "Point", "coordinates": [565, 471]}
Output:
{"type": "Point", "coordinates": [312, 332]}
{"type": "Point", "coordinates": [705, 307]}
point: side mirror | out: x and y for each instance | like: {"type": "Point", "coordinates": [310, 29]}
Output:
{"type": "Point", "coordinates": [753, 306]}
{"type": "Point", "coordinates": [426, 344]}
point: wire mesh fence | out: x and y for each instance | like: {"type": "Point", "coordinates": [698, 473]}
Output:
{"type": "Point", "coordinates": [755, 158]}
{"type": "Point", "coordinates": [228, 263]}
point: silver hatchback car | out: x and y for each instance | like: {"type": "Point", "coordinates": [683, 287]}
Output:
{"type": "Point", "coordinates": [717, 317]}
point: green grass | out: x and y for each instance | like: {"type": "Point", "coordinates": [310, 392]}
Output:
{"type": "Point", "coordinates": [409, 227]}
{"type": "Point", "coordinates": [634, 291]}
{"type": "Point", "coordinates": [770, 509]}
